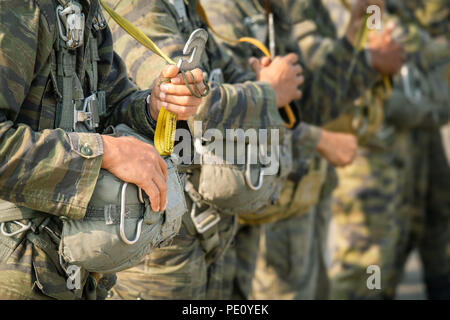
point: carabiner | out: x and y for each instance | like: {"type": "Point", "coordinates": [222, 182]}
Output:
{"type": "Point", "coordinates": [123, 236]}
{"type": "Point", "coordinates": [23, 229]}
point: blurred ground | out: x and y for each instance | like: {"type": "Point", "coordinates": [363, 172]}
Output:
{"type": "Point", "coordinates": [411, 287]}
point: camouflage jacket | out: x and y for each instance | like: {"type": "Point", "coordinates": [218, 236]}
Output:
{"type": "Point", "coordinates": [42, 167]}
{"type": "Point", "coordinates": [239, 101]}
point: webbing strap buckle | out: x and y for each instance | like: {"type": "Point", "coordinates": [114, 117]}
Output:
{"type": "Point", "coordinates": [11, 234]}
{"type": "Point", "coordinates": [204, 221]}
{"type": "Point", "coordinates": [89, 114]}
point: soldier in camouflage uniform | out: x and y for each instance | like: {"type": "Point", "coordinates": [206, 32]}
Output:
{"type": "Point", "coordinates": [190, 267]}
{"type": "Point", "coordinates": [275, 277]}
{"type": "Point", "coordinates": [50, 160]}
{"type": "Point", "coordinates": [379, 211]}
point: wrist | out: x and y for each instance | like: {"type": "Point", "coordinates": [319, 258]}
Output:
{"type": "Point", "coordinates": [107, 144]}
{"type": "Point", "coordinates": [148, 115]}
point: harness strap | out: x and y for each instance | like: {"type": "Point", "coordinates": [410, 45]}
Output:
{"type": "Point", "coordinates": [65, 73]}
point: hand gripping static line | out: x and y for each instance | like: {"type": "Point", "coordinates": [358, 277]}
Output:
{"type": "Point", "coordinates": [255, 42]}
{"type": "Point", "coordinates": [167, 122]}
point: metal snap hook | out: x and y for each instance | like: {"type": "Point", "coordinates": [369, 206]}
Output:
{"type": "Point", "coordinates": [123, 236]}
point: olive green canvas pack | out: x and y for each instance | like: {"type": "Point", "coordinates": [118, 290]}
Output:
{"type": "Point", "coordinates": [120, 228]}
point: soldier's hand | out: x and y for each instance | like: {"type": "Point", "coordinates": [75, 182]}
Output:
{"type": "Point", "coordinates": [284, 74]}
{"type": "Point", "coordinates": [175, 96]}
{"type": "Point", "coordinates": [387, 55]}
{"type": "Point", "coordinates": [134, 161]}
{"type": "Point", "coordinates": [338, 148]}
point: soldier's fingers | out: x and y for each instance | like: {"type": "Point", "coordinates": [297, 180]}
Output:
{"type": "Point", "coordinates": [188, 101]}
{"type": "Point", "coordinates": [255, 65]}
{"type": "Point", "coordinates": [196, 73]}
{"type": "Point", "coordinates": [163, 166]}
{"type": "Point", "coordinates": [178, 90]}
{"type": "Point", "coordinates": [299, 80]}
{"type": "Point", "coordinates": [152, 192]}
{"type": "Point", "coordinates": [182, 112]}
{"type": "Point", "coordinates": [169, 71]}
{"type": "Point", "coordinates": [265, 61]}
{"type": "Point", "coordinates": [298, 94]}
{"type": "Point", "coordinates": [162, 188]}
{"type": "Point", "coordinates": [297, 69]}
{"type": "Point", "coordinates": [292, 58]}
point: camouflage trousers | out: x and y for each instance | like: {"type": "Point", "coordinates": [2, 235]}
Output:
{"type": "Point", "coordinates": [240, 263]}
{"type": "Point", "coordinates": [291, 259]}
{"type": "Point", "coordinates": [435, 242]}
{"type": "Point", "coordinates": [182, 270]}
{"type": "Point", "coordinates": [33, 271]}
{"type": "Point", "coordinates": [386, 206]}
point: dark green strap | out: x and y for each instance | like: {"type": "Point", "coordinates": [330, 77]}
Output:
{"type": "Point", "coordinates": [66, 73]}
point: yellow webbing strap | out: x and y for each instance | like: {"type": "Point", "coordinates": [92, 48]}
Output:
{"type": "Point", "coordinates": [167, 121]}
{"type": "Point", "coordinates": [255, 42]}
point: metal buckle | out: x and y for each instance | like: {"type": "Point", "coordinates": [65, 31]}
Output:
{"type": "Point", "coordinates": [87, 114]}
{"type": "Point", "coordinates": [73, 20]}
{"type": "Point", "coordinates": [205, 220]}
{"type": "Point", "coordinates": [22, 229]}
{"type": "Point", "coordinates": [123, 200]}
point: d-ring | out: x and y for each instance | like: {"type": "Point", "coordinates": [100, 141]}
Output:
{"type": "Point", "coordinates": [122, 219]}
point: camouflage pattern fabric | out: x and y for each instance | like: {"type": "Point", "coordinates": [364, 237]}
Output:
{"type": "Point", "coordinates": [237, 19]}
{"type": "Point", "coordinates": [239, 101]}
{"type": "Point", "coordinates": [381, 210]}
{"type": "Point", "coordinates": [42, 169]}
{"type": "Point", "coordinates": [179, 271]}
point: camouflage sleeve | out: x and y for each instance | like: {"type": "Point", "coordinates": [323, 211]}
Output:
{"type": "Point", "coordinates": [240, 102]}
{"type": "Point", "coordinates": [49, 171]}
{"type": "Point", "coordinates": [307, 136]}
{"type": "Point", "coordinates": [125, 103]}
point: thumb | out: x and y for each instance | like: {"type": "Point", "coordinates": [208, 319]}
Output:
{"type": "Point", "coordinates": [255, 65]}
{"type": "Point", "coordinates": [169, 71]}
{"type": "Point", "coordinates": [265, 61]}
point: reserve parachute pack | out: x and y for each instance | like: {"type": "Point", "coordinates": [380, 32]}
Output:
{"type": "Point", "coordinates": [120, 228]}
{"type": "Point", "coordinates": [231, 188]}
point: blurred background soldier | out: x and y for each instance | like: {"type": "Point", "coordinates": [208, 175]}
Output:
{"type": "Point", "coordinates": [290, 264]}
{"type": "Point", "coordinates": [380, 207]}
